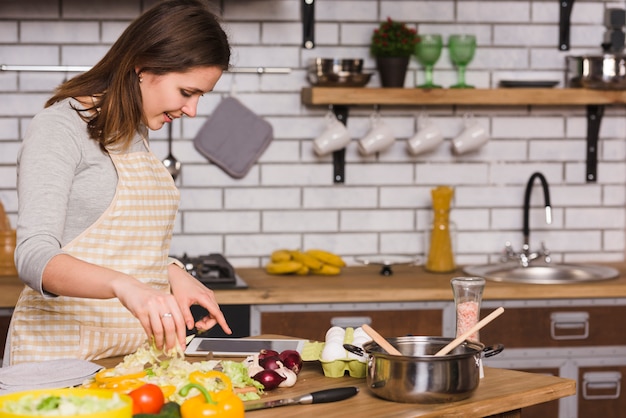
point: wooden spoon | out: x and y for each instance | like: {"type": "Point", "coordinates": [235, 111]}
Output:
{"type": "Point", "coordinates": [380, 340]}
{"type": "Point", "coordinates": [458, 340]}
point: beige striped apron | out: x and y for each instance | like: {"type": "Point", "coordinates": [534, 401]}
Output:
{"type": "Point", "coordinates": [132, 236]}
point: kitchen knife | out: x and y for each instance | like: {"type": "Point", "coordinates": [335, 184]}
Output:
{"type": "Point", "coordinates": [322, 396]}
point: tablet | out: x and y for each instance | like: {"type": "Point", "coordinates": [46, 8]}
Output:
{"type": "Point", "coordinates": [201, 346]}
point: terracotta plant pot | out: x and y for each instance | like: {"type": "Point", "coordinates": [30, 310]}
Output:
{"type": "Point", "coordinates": [392, 70]}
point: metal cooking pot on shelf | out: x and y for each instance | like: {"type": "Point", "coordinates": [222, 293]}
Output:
{"type": "Point", "coordinates": [337, 72]}
{"type": "Point", "coordinates": [418, 376]}
{"type": "Point", "coordinates": [600, 72]}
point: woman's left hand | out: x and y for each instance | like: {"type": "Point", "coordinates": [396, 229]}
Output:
{"type": "Point", "coordinates": [188, 291]}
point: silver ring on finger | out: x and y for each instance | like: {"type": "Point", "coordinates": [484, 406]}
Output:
{"type": "Point", "coordinates": [166, 315]}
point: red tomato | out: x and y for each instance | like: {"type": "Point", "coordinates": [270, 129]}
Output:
{"type": "Point", "coordinates": [147, 399]}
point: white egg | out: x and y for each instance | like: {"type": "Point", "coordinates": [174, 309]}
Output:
{"type": "Point", "coordinates": [359, 341]}
{"type": "Point", "coordinates": [332, 352]}
{"type": "Point", "coordinates": [359, 332]}
{"type": "Point", "coordinates": [335, 331]}
{"type": "Point", "coordinates": [335, 339]}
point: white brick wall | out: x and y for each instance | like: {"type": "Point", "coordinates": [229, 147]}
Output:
{"type": "Point", "coordinates": [288, 199]}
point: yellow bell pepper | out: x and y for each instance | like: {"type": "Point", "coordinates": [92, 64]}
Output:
{"type": "Point", "coordinates": [202, 378]}
{"type": "Point", "coordinates": [222, 404]}
{"type": "Point", "coordinates": [109, 376]}
{"type": "Point", "coordinates": [107, 379]}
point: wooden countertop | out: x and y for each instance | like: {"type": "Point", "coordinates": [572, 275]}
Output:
{"type": "Point", "coordinates": [499, 392]}
{"type": "Point", "coordinates": [365, 284]}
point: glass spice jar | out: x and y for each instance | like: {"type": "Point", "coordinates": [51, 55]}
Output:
{"type": "Point", "coordinates": [468, 293]}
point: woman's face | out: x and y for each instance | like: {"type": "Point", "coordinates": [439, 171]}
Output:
{"type": "Point", "coordinates": [172, 95]}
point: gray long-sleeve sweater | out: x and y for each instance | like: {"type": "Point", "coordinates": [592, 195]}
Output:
{"type": "Point", "coordinates": [64, 183]}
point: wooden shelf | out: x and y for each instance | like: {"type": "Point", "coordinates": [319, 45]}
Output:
{"type": "Point", "coordinates": [341, 98]}
{"type": "Point", "coordinates": [478, 97]}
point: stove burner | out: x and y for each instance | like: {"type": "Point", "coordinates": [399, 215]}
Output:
{"type": "Point", "coordinates": [213, 271]}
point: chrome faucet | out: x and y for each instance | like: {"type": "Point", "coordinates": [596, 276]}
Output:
{"type": "Point", "coordinates": [526, 256]}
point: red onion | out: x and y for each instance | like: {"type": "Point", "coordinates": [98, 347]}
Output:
{"type": "Point", "coordinates": [267, 353]}
{"type": "Point", "coordinates": [291, 359]}
{"type": "Point", "coordinates": [270, 363]}
{"type": "Point", "coordinates": [269, 378]}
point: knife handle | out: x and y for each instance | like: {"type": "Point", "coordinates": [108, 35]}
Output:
{"type": "Point", "coordinates": [332, 395]}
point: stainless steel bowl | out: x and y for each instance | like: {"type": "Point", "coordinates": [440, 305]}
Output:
{"type": "Point", "coordinates": [336, 65]}
{"type": "Point", "coordinates": [600, 72]}
{"type": "Point", "coordinates": [418, 376]}
{"type": "Point", "coordinates": [329, 72]}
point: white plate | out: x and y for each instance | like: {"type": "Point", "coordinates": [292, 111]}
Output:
{"type": "Point", "coordinates": [387, 259]}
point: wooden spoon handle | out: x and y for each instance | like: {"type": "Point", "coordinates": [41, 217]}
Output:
{"type": "Point", "coordinates": [380, 340]}
{"type": "Point", "coordinates": [458, 340]}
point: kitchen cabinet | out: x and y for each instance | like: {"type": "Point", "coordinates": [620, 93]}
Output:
{"type": "Point", "coordinates": [599, 392]}
{"type": "Point", "coordinates": [340, 98]}
{"type": "Point", "coordinates": [581, 339]}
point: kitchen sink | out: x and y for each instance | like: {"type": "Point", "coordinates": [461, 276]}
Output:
{"type": "Point", "coordinates": [542, 273]}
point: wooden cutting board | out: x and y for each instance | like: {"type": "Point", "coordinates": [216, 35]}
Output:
{"type": "Point", "coordinates": [501, 393]}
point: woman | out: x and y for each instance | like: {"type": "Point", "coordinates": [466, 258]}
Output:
{"type": "Point", "coordinates": [96, 207]}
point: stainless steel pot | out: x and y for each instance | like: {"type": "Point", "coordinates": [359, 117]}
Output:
{"type": "Point", "coordinates": [600, 72]}
{"type": "Point", "coordinates": [418, 376]}
{"type": "Point", "coordinates": [337, 72]}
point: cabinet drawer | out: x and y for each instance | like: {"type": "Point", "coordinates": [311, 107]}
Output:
{"type": "Point", "coordinates": [600, 392]}
{"type": "Point", "coordinates": [556, 327]}
{"type": "Point", "coordinates": [390, 323]}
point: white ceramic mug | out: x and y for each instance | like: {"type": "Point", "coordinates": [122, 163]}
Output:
{"type": "Point", "coordinates": [427, 138]}
{"type": "Point", "coordinates": [473, 136]}
{"type": "Point", "coordinates": [334, 137]}
{"type": "Point", "coordinates": [379, 138]}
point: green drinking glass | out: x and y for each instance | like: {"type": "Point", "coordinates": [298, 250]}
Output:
{"type": "Point", "coordinates": [462, 48]}
{"type": "Point", "coordinates": [427, 52]}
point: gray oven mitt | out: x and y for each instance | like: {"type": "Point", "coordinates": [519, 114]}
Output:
{"type": "Point", "coordinates": [49, 374]}
{"type": "Point", "coordinates": [233, 138]}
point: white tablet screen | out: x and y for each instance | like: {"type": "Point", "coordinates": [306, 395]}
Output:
{"type": "Point", "coordinates": [240, 346]}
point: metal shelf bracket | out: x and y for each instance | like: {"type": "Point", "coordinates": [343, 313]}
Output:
{"type": "Point", "coordinates": [339, 156]}
{"type": "Point", "coordinates": [565, 8]}
{"type": "Point", "coordinates": [594, 118]}
{"type": "Point", "coordinates": [308, 24]}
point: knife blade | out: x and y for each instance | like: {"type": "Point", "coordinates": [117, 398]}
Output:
{"type": "Point", "coordinates": [321, 396]}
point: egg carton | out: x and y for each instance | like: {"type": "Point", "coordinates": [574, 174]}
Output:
{"type": "Point", "coordinates": [312, 351]}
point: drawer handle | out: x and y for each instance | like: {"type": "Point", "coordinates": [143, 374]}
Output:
{"type": "Point", "coordinates": [601, 381]}
{"type": "Point", "coordinates": [569, 325]}
{"type": "Point", "coordinates": [350, 321]}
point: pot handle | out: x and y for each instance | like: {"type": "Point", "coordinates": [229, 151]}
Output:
{"type": "Point", "coordinates": [492, 350]}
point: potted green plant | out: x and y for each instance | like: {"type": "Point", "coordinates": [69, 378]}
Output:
{"type": "Point", "coordinates": [392, 45]}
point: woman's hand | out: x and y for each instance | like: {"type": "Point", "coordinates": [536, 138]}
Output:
{"type": "Point", "coordinates": [189, 291]}
{"type": "Point", "coordinates": [157, 311]}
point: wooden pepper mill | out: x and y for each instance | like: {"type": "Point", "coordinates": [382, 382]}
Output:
{"type": "Point", "coordinates": [7, 245]}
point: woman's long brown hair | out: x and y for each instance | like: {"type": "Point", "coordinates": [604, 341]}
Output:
{"type": "Point", "coordinates": [172, 36]}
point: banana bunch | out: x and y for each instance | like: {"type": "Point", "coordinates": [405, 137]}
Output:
{"type": "Point", "coordinates": [302, 263]}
